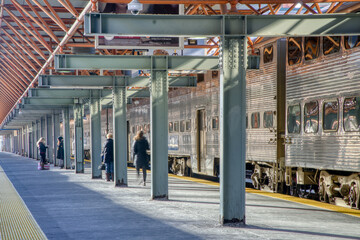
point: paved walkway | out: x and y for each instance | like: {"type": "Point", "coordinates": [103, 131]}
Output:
{"type": "Point", "coordinates": [73, 206]}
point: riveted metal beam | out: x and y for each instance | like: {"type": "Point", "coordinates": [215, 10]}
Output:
{"type": "Point", "coordinates": [50, 101]}
{"type": "Point", "coordinates": [107, 81]}
{"type": "Point", "coordinates": [111, 62]}
{"type": "Point", "coordinates": [66, 133]}
{"type": "Point", "coordinates": [222, 25]}
{"type": "Point", "coordinates": [64, 96]}
{"type": "Point", "coordinates": [95, 133]}
{"type": "Point", "coordinates": [79, 136]}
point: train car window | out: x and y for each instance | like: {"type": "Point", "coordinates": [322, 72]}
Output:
{"type": "Point", "coordinates": [351, 114]}
{"type": "Point", "coordinates": [294, 119]}
{"type": "Point", "coordinates": [215, 123]}
{"type": "Point", "coordinates": [268, 119]}
{"type": "Point", "coordinates": [182, 126]}
{"type": "Point", "coordinates": [133, 129]}
{"type": "Point", "coordinates": [311, 117]}
{"type": "Point", "coordinates": [188, 125]}
{"type": "Point", "coordinates": [200, 77]}
{"type": "Point", "coordinates": [148, 127]}
{"type": "Point", "coordinates": [331, 45]}
{"type": "Point", "coordinates": [171, 127]}
{"type": "Point", "coordinates": [176, 126]}
{"type": "Point", "coordinates": [312, 48]}
{"type": "Point", "coordinates": [255, 120]}
{"type": "Point", "coordinates": [294, 50]}
{"type": "Point", "coordinates": [351, 42]}
{"type": "Point", "coordinates": [331, 116]}
{"type": "Point", "coordinates": [268, 54]}
{"type": "Point", "coordinates": [246, 121]}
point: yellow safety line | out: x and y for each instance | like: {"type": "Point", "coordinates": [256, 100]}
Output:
{"type": "Point", "coordinates": [85, 160]}
{"type": "Point", "coordinates": [309, 202]}
{"type": "Point", "coordinates": [16, 221]}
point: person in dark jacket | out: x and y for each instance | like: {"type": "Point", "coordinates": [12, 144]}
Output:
{"type": "Point", "coordinates": [60, 151]}
{"type": "Point", "coordinates": [42, 151]}
{"type": "Point", "coordinates": [141, 158]}
{"type": "Point", "coordinates": [109, 157]}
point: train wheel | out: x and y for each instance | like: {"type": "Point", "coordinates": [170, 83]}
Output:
{"type": "Point", "coordinates": [353, 197]}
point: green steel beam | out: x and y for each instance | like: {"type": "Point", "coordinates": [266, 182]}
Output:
{"type": "Point", "coordinates": [50, 107]}
{"type": "Point", "coordinates": [66, 93]}
{"type": "Point", "coordinates": [222, 25]}
{"type": "Point", "coordinates": [111, 62]}
{"type": "Point", "coordinates": [50, 101]}
{"type": "Point", "coordinates": [106, 94]}
{"type": "Point", "coordinates": [108, 81]}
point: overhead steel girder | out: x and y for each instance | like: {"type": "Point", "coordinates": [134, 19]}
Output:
{"type": "Point", "coordinates": [106, 94]}
{"type": "Point", "coordinates": [108, 81]}
{"type": "Point", "coordinates": [51, 101]}
{"type": "Point", "coordinates": [116, 62]}
{"type": "Point", "coordinates": [39, 111]}
{"type": "Point", "coordinates": [35, 107]}
{"type": "Point", "coordinates": [222, 25]}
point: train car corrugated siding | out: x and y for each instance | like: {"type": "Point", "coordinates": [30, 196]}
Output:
{"type": "Point", "coordinates": [330, 77]}
{"type": "Point", "coordinates": [261, 97]}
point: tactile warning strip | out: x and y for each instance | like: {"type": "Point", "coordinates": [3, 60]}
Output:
{"type": "Point", "coordinates": [16, 221]}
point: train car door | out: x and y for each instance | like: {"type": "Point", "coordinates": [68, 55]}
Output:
{"type": "Point", "coordinates": [200, 139]}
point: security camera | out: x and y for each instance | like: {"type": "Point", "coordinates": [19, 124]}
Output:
{"type": "Point", "coordinates": [135, 7]}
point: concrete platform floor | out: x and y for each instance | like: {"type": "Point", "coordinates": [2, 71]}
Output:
{"type": "Point", "coordinates": [73, 206]}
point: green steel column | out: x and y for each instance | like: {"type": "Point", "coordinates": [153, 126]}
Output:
{"type": "Point", "coordinates": [120, 134]}
{"type": "Point", "coordinates": [23, 140]}
{"type": "Point", "coordinates": [19, 139]}
{"type": "Point", "coordinates": [27, 141]}
{"type": "Point", "coordinates": [159, 134]}
{"type": "Point", "coordinates": [33, 139]}
{"type": "Point", "coordinates": [232, 130]}
{"type": "Point", "coordinates": [37, 137]}
{"type": "Point", "coordinates": [42, 128]}
{"type": "Point", "coordinates": [49, 138]}
{"type": "Point", "coordinates": [79, 143]}
{"type": "Point", "coordinates": [66, 133]}
{"type": "Point", "coordinates": [55, 119]}
{"type": "Point", "coordinates": [95, 133]}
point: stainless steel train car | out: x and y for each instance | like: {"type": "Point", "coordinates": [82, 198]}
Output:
{"type": "Point", "coordinates": [303, 120]}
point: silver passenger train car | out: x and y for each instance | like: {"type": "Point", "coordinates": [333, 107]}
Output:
{"type": "Point", "coordinates": [303, 120]}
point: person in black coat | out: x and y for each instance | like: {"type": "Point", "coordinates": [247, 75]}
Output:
{"type": "Point", "coordinates": [109, 157]}
{"type": "Point", "coordinates": [42, 151]}
{"type": "Point", "coordinates": [60, 151]}
{"type": "Point", "coordinates": [140, 156]}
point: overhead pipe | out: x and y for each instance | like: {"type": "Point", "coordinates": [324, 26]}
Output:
{"type": "Point", "coordinates": [66, 38]}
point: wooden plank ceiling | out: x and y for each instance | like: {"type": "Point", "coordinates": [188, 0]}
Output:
{"type": "Point", "coordinates": [33, 31]}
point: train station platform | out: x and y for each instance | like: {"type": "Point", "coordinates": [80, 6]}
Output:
{"type": "Point", "coordinates": [59, 204]}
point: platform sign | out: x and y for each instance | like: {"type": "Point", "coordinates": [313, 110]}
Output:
{"type": "Point", "coordinates": [138, 42]}
{"type": "Point", "coordinates": [144, 42]}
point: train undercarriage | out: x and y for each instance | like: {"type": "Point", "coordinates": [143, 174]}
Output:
{"type": "Point", "coordinates": [336, 188]}
{"type": "Point", "coordinates": [326, 186]}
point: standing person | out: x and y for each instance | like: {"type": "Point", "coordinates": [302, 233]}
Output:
{"type": "Point", "coordinates": [109, 157]}
{"type": "Point", "coordinates": [60, 151]}
{"type": "Point", "coordinates": [140, 156]}
{"type": "Point", "coordinates": [42, 150]}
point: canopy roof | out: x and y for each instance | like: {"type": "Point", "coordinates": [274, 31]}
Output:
{"type": "Point", "coordinates": [33, 31]}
